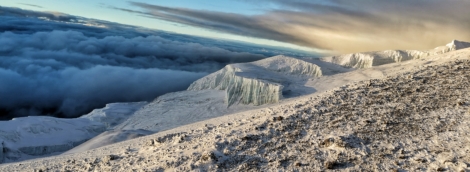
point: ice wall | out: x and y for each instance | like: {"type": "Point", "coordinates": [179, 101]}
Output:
{"type": "Point", "coordinates": [252, 91]}
{"type": "Point", "coordinates": [259, 82]}
{"type": "Point", "coordinates": [240, 89]}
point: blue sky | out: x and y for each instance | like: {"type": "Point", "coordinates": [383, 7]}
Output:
{"type": "Point", "coordinates": [98, 9]}
{"type": "Point", "coordinates": [324, 26]}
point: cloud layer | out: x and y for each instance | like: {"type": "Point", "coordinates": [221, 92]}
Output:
{"type": "Point", "coordinates": [61, 65]}
{"type": "Point", "coordinates": [339, 25]}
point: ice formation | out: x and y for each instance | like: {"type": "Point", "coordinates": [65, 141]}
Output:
{"type": "Point", "coordinates": [370, 59]}
{"type": "Point", "coordinates": [33, 136]}
{"type": "Point", "coordinates": [259, 82]}
{"type": "Point", "coordinates": [114, 113]}
{"type": "Point", "coordinates": [30, 137]}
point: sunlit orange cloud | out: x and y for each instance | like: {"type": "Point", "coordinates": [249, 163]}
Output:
{"type": "Point", "coordinates": [341, 26]}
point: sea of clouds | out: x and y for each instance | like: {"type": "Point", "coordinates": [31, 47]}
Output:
{"type": "Point", "coordinates": [61, 65]}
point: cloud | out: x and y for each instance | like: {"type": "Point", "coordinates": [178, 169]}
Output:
{"type": "Point", "coordinates": [339, 25]}
{"type": "Point", "coordinates": [61, 65]}
{"type": "Point", "coordinates": [68, 74]}
{"type": "Point", "coordinates": [31, 5]}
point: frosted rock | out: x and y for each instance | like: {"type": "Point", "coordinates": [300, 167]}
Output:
{"type": "Point", "coordinates": [259, 82]}
{"type": "Point", "coordinates": [370, 59]}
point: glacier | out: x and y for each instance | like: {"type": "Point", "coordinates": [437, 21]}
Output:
{"type": "Point", "coordinates": [35, 136]}
{"type": "Point", "coordinates": [260, 82]}
{"type": "Point", "coordinates": [377, 58]}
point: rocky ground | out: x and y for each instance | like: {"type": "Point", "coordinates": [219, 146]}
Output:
{"type": "Point", "coordinates": [416, 121]}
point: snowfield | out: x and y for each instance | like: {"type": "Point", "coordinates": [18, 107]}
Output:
{"type": "Point", "coordinates": [377, 111]}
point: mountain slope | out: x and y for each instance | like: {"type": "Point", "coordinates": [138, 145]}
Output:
{"type": "Point", "coordinates": [233, 89]}
{"type": "Point", "coordinates": [414, 119]}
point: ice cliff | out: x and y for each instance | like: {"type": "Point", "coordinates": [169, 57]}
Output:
{"type": "Point", "coordinates": [259, 82]}
{"type": "Point", "coordinates": [35, 136]}
{"type": "Point", "coordinates": [370, 59]}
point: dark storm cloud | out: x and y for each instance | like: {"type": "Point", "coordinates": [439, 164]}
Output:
{"type": "Point", "coordinates": [339, 25]}
{"type": "Point", "coordinates": [64, 65]}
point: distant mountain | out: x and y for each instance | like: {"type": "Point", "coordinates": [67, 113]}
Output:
{"type": "Point", "coordinates": [376, 58]}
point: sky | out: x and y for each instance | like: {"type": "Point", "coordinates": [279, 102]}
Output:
{"type": "Point", "coordinates": [104, 10]}
{"type": "Point", "coordinates": [340, 26]}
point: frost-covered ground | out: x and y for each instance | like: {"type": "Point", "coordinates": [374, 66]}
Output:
{"type": "Point", "coordinates": [412, 121]}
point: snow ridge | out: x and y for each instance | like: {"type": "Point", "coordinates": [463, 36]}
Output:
{"type": "Point", "coordinates": [259, 82]}
{"type": "Point", "coordinates": [289, 66]}
{"type": "Point", "coordinates": [377, 58]}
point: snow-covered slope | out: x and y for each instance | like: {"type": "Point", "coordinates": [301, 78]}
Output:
{"type": "Point", "coordinates": [109, 137]}
{"type": "Point", "coordinates": [370, 59]}
{"type": "Point", "coordinates": [259, 82]}
{"type": "Point", "coordinates": [390, 123]}
{"type": "Point", "coordinates": [36, 136]}
{"type": "Point", "coordinates": [180, 108]}
{"type": "Point", "coordinates": [114, 113]}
